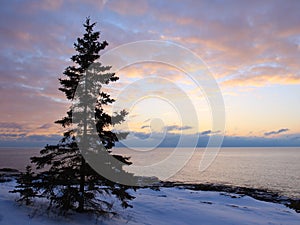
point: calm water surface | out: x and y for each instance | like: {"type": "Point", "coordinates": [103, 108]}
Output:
{"type": "Point", "coordinates": [276, 169]}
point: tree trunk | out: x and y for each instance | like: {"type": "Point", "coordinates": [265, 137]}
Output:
{"type": "Point", "coordinates": [81, 187]}
{"type": "Point", "coordinates": [82, 172]}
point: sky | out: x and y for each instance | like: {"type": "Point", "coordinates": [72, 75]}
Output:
{"type": "Point", "coordinates": [251, 49]}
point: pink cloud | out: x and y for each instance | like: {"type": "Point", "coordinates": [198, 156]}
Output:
{"type": "Point", "coordinates": [37, 39]}
{"type": "Point", "coordinates": [47, 5]}
{"type": "Point", "coordinates": [127, 7]}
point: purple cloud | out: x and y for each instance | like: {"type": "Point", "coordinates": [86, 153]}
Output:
{"type": "Point", "coordinates": [276, 132]}
{"type": "Point", "coordinates": [178, 128]}
{"type": "Point", "coordinates": [245, 43]}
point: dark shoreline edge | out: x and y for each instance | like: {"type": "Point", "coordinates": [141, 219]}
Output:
{"type": "Point", "coordinates": [259, 194]}
{"type": "Point", "coordinates": [9, 174]}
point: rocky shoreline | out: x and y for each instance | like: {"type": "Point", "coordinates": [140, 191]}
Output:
{"type": "Point", "coordinates": [8, 174]}
{"type": "Point", "coordinates": [237, 192]}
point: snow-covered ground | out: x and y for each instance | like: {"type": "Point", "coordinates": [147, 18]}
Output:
{"type": "Point", "coordinates": [168, 206]}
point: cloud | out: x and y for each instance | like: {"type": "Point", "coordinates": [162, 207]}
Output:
{"type": "Point", "coordinates": [177, 128]}
{"type": "Point", "coordinates": [47, 5]}
{"type": "Point", "coordinates": [12, 130]}
{"type": "Point", "coordinates": [10, 125]}
{"type": "Point", "coordinates": [172, 139]}
{"type": "Point", "coordinates": [206, 132]}
{"type": "Point", "coordinates": [234, 39]}
{"type": "Point", "coordinates": [14, 134]}
{"type": "Point", "coordinates": [13, 140]}
{"type": "Point", "coordinates": [264, 75]}
{"type": "Point", "coordinates": [171, 127]}
{"type": "Point", "coordinates": [127, 7]}
{"type": "Point", "coordinates": [45, 126]}
{"type": "Point", "coordinates": [160, 140]}
{"type": "Point", "coordinates": [140, 135]}
{"type": "Point", "coordinates": [244, 43]}
{"type": "Point", "coordinates": [276, 132]}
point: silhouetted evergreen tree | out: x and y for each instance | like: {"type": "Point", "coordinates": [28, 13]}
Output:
{"type": "Point", "coordinates": [25, 187]}
{"type": "Point", "coordinates": [64, 176]}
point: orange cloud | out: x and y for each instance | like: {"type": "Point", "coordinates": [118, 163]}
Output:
{"type": "Point", "coordinates": [261, 76]}
{"type": "Point", "coordinates": [262, 80]}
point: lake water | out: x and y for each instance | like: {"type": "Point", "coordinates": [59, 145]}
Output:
{"type": "Point", "coordinates": [276, 169]}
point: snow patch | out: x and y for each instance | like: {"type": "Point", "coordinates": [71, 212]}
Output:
{"type": "Point", "coordinates": [167, 206]}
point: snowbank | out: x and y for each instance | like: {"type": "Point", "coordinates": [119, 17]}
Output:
{"type": "Point", "coordinates": [168, 206]}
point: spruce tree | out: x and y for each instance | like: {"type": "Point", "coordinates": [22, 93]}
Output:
{"type": "Point", "coordinates": [64, 176]}
{"type": "Point", "coordinates": [25, 187]}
